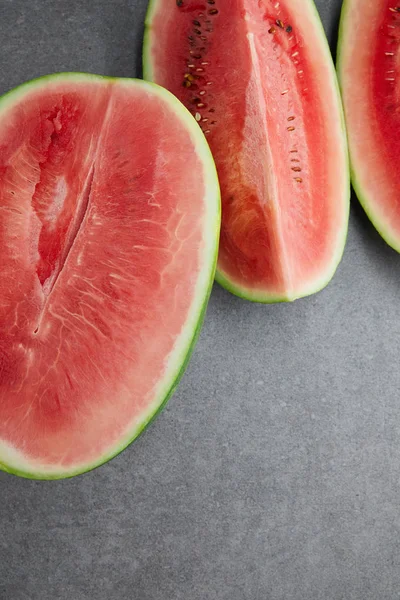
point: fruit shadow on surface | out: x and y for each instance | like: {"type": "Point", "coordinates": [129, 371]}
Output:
{"type": "Point", "coordinates": [385, 258]}
{"type": "Point", "coordinates": [329, 11]}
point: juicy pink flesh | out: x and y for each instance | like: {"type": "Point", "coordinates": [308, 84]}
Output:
{"type": "Point", "coordinates": [370, 67]}
{"type": "Point", "coordinates": [101, 240]}
{"type": "Point", "coordinates": [256, 78]}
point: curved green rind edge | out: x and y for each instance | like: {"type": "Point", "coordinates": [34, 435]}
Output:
{"type": "Point", "coordinates": [11, 96]}
{"type": "Point", "coordinates": [143, 426]}
{"type": "Point", "coordinates": [258, 295]}
{"type": "Point", "coordinates": [365, 200]}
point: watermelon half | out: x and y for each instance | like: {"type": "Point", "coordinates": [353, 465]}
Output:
{"type": "Point", "coordinates": [109, 224]}
{"type": "Point", "coordinates": [259, 79]}
{"type": "Point", "coordinates": [368, 66]}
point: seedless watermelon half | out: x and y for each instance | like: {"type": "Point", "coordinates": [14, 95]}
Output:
{"type": "Point", "coordinates": [259, 79]}
{"type": "Point", "coordinates": [368, 68]}
{"type": "Point", "coordinates": [109, 223]}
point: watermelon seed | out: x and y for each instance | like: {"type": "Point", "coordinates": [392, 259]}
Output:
{"type": "Point", "coordinates": [295, 53]}
{"type": "Point", "coordinates": [209, 82]}
{"type": "Point", "coordinates": [291, 128]}
{"type": "Point", "coordinates": [291, 118]}
{"type": "Point", "coordinates": [197, 116]}
{"type": "Point", "coordinates": [202, 93]}
{"type": "Point", "coordinates": [179, 3]}
{"type": "Point", "coordinates": [191, 66]}
{"type": "Point", "coordinates": [284, 92]}
{"type": "Point", "coordinates": [298, 179]}
{"type": "Point", "coordinates": [293, 151]}
{"type": "Point", "coordinates": [294, 160]}
{"type": "Point", "coordinates": [296, 169]}
{"type": "Point", "coordinates": [212, 110]}
{"type": "Point", "coordinates": [207, 131]}
{"type": "Point", "coordinates": [395, 9]}
{"type": "Point", "coordinates": [280, 23]}
{"type": "Point", "coordinates": [213, 11]}
{"type": "Point", "coordinates": [389, 53]}
{"type": "Point", "coordinates": [211, 1]}
{"type": "Point", "coordinates": [390, 79]}
{"type": "Point", "coordinates": [197, 31]}
{"type": "Point", "coordinates": [200, 105]}
{"type": "Point", "coordinates": [213, 122]}
{"type": "Point", "coordinates": [271, 30]}
{"type": "Point", "coordinates": [203, 37]}
{"type": "Point", "coordinates": [204, 120]}
{"type": "Point", "coordinates": [194, 54]}
{"type": "Point", "coordinates": [289, 29]}
{"type": "Point", "coordinates": [205, 63]}
{"type": "Point", "coordinates": [197, 23]}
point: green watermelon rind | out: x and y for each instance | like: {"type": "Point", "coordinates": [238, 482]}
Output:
{"type": "Point", "coordinates": [362, 194]}
{"type": "Point", "coordinates": [256, 295]}
{"type": "Point", "coordinates": [214, 205]}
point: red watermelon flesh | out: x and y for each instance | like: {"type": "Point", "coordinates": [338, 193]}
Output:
{"type": "Point", "coordinates": [107, 252]}
{"type": "Point", "coordinates": [259, 79]}
{"type": "Point", "coordinates": [368, 68]}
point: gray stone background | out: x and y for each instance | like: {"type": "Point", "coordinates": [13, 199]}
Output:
{"type": "Point", "coordinates": [274, 472]}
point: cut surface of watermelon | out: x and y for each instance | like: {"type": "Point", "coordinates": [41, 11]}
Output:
{"type": "Point", "coordinates": [109, 225]}
{"type": "Point", "coordinates": [259, 79]}
{"type": "Point", "coordinates": [368, 68]}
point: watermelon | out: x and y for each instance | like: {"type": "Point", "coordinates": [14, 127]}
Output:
{"type": "Point", "coordinates": [368, 56]}
{"type": "Point", "coordinates": [259, 79]}
{"type": "Point", "coordinates": [109, 226]}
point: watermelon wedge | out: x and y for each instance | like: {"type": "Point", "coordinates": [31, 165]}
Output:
{"type": "Point", "coordinates": [259, 79]}
{"type": "Point", "coordinates": [109, 225]}
{"type": "Point", "coordinates": [368, 66]}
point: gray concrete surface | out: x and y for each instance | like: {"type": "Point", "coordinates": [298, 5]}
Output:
{"type": "Point", "coordinates": [274, 473]}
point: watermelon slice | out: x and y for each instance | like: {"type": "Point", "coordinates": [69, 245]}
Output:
{"type": "Point", "coordinates": [259, 79]}
{"type": "Point", "coordinates": [368, 64]}
{"type": "Point", "coordinates": [108, 249]}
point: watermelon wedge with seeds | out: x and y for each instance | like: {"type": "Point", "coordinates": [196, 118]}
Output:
{"type": "Point", "coordinates": [109, 225]}
{"type": "Point", "coordinates": [258, 78]}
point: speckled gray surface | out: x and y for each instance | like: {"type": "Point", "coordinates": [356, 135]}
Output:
{"type": "Point", "coordinates": [274, 473]}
